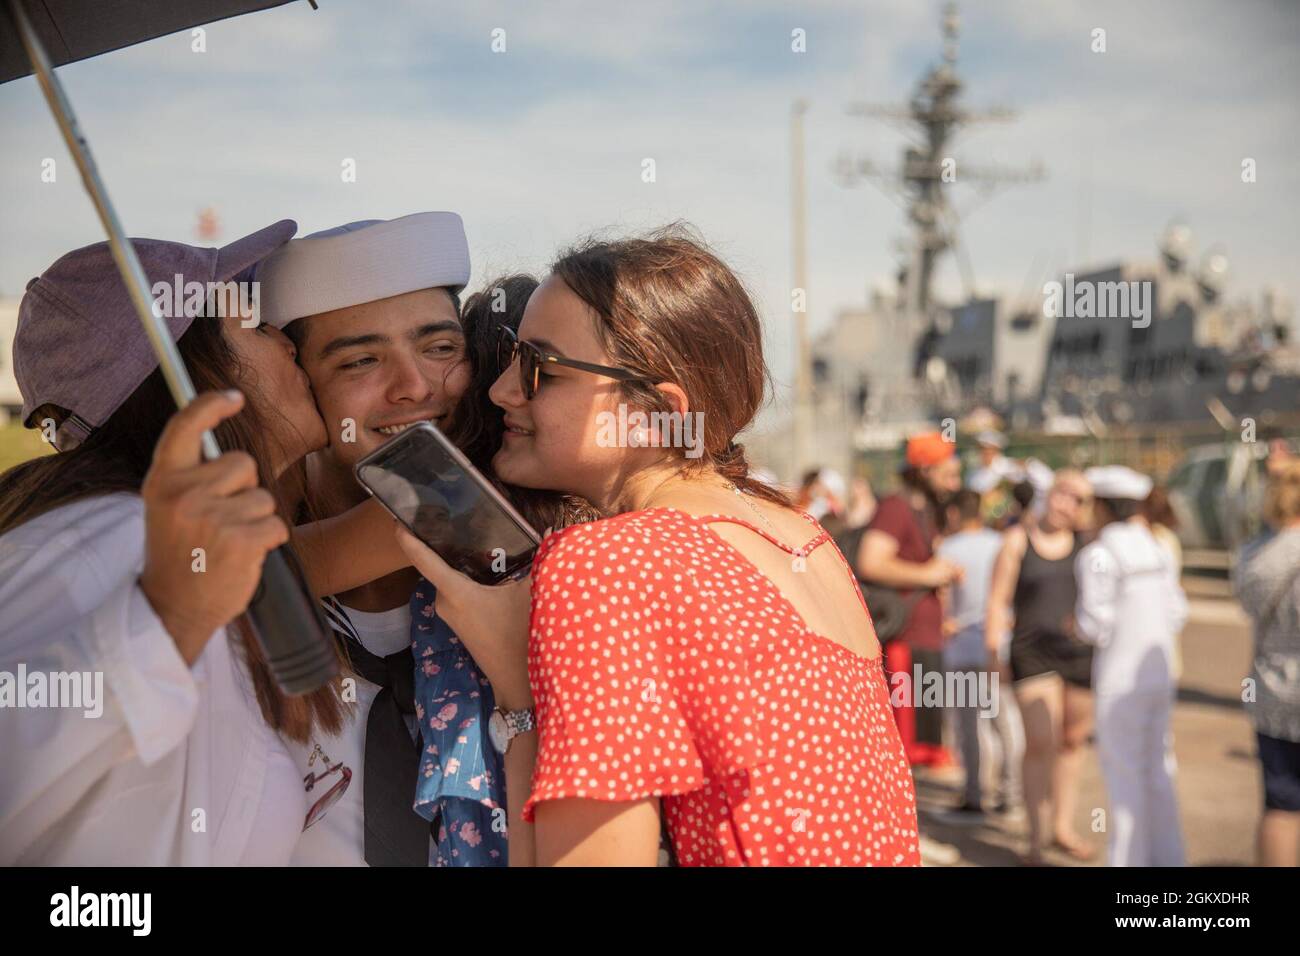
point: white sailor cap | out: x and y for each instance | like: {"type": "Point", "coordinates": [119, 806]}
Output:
{"type": "Point", "coordinates": [1118, 481]}
{"type": "Point", "coordinates": [362, 262]}
{"type": "Point", "coordinates": [833, 482]}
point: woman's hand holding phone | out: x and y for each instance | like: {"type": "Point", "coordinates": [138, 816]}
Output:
{"type": "Point", "coordinates": [430, 487]}
{"type": "Point", "coordinates": [490, 620]}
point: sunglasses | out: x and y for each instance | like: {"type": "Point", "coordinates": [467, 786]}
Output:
{"type": "Point", "coordinates": [531, 359]}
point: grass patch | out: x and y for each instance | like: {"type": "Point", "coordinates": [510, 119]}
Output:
{"type": "Point", "coordinates": [18, 444]}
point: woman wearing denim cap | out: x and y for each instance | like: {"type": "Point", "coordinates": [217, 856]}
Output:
{"type": "Point", "coordinates": [185, 762]}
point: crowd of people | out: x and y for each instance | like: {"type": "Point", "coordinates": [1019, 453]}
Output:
{"type": "Point", "coordinates": [1065, 585]}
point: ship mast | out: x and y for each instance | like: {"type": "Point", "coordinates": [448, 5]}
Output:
{"type": "Point", "coordinates": [921, 184]}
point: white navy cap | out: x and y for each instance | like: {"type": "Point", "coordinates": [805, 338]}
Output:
{"type": "Point", "coordinates": [833, 481]}
{"type": "Point", "coordinates": [1118, 481]}
{"type": "Point", "coordinates": [992, 438]}
{"type": "Point", "coordinates": [363, 262]}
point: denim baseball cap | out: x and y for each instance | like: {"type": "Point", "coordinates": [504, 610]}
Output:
{"type": "Point", "coordinates": [80, 344]}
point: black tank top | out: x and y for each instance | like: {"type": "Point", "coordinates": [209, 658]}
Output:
{"type": "Point", "coordinates": [1046, 592]}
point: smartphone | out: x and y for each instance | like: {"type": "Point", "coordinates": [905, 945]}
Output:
{"type": "Point", "coordinates": [429, 485]}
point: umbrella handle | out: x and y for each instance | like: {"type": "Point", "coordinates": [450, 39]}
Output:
{"type": "Point", "coordinates": [283, 615]}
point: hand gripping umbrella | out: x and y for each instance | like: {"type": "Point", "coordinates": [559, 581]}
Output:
{"type": "Point", "coordinates": [287, 621]}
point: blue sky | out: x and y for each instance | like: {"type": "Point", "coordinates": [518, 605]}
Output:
{"type": "Point", "coordinates": [543, 143]}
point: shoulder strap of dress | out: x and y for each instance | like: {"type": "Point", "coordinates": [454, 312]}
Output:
{"type": "Point", "coordinates": [804, 551]}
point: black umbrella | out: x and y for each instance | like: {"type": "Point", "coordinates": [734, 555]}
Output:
{"type": "Point", "coordinates": [72, 30]}
{"type": "Point", "coordinates": [289, 624]}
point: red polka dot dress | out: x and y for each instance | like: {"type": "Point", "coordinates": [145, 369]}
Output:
{"type": "Point", "coordinates": [663, 663]}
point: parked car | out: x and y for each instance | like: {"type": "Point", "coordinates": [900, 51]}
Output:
{"type": "Point", "coordinates": [1217, 493]}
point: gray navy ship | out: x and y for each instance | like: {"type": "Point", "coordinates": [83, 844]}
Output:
{"type": "Point", "coordinates": [1153, 342]}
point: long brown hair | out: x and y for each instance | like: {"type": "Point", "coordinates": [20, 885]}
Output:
{"type": "Point", "coordinates": [672, 311]}
{"type": "Point", "coordinates": [912, 479]}
{"type": "Point", "coordinates": [477, 426]}
{"type": "Point", "coordinates": [115, 458]}
{"type": "Point", "coordinates": [1157, 509]}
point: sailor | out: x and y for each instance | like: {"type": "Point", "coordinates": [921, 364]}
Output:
{"type": "Point", "coordinates": [373, 308]}
{"type": "Point", "coordinates": [995, 467]}
{"type": "Point", "coordinates": [1131, 607]}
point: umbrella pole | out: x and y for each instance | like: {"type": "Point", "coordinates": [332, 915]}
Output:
{"type": "Point", "coordinates": [128, 264]}
{"type": "Point", "coordinates": [285, 619]}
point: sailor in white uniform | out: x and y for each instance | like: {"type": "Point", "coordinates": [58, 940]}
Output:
{"type": "Point", "coordinates": [1131, 607]}
{"type": "Point", "coordinates": [995, 467]}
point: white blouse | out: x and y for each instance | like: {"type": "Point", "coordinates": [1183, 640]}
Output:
{"type": "Point", "coordinates": [180, 768]}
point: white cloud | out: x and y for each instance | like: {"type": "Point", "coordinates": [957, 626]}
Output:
{"type": "Point", "coordinates": [533, 167]}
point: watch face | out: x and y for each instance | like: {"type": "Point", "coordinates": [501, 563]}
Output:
{"type": "Point", "coordinates": [497, 732]}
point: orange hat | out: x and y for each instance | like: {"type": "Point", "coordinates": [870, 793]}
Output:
{"type": "Point", "coordinates": [929, 448]}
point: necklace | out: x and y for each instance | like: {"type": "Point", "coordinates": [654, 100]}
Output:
{"type": "Point", "coordinates": [761, 517]}
{"type": "Point", "coordinates": [740, 494]}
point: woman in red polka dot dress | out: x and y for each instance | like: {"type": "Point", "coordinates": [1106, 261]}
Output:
{"type": "Point", "coordinates": [699, 665]}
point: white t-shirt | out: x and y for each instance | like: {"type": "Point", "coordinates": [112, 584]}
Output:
{"type": "Point", "coordinates": [976, 552]}
{"type": "Point", "coordinates": [337, 838]}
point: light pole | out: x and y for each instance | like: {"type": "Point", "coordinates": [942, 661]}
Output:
{"type": "Point", "coordinates": [803, 358]}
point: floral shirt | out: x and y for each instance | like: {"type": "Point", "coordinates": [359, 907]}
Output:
{"type": "Point", "coordinates": [461, 781]}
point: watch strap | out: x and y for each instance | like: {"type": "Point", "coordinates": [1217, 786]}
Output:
{"type": "Point", "coordinates": [519, 721]}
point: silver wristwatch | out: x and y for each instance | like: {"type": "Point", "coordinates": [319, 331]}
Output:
{"type": "Point", "coordinates": [505, 725]}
